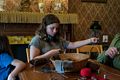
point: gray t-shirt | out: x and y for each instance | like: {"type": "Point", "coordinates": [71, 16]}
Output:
{"type": "Point", "coordinates": [44, 46]}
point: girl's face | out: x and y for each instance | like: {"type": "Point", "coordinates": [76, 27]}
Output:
{"type": "Point", "coordinates": [52, 29]}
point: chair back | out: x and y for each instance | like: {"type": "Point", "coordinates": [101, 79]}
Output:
{"type": "Point", "coordinates": [28, 54]}
{"type": "Point", "coordinates": [90, 48]}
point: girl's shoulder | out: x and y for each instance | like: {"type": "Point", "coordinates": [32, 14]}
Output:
{"type": "Point", "coordinates": [4, 54]}
{"type": "Point", "coordinates": [36, 38]}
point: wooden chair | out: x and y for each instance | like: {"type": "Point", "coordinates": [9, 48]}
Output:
{"type": "Point", "coordinates": [90, 48]}
{"type": "Point", "coordinates": [28, 54]}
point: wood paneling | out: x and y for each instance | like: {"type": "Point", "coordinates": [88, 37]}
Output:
{"type": "Point", "coordinates": [18, 29]}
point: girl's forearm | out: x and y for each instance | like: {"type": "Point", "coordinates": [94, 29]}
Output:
{"type": "Point", "coordinates": [19, 66]}
{"type": "Point", "coordinates": [77, 44]}
{"type": "Point", "coordinates": [48, 54]}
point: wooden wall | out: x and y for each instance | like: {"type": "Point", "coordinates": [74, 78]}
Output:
{"type": "Point", "coordinates": [20, 29]}
{"type": "Point", "coordinates": [28, 29]}
{"type": "Point", "coordinates": [107, 13]}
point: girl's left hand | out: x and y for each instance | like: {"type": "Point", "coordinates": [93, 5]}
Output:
{"type": "Point", "coordinates": [94, 40]}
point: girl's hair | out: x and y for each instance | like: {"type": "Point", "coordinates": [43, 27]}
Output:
{"type": "Point", "coordinates": [4, 45]}
{"type": "Point", "coordinates": [47, 20]}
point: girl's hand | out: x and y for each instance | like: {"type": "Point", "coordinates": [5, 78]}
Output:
{"type": "Point", "coordinates": [11, 77]}
{"type": "Point", "coordinates": [48, 54]}
{"type": "Point", "coordinates": [55, 51]}
{"type": "Point", "coordinates": [94, 40]}
{"type": "Point", "coordinates": [111, 52]}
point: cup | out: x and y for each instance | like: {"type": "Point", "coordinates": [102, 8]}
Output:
{"type": "Point", "coordinates": [59, 66]}
{"type": "Point", "coordinates": [118, 49]}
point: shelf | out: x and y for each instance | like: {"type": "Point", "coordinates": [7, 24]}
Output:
{"type": "Point", "coordinates": [32, 17]}
{"type": "Point", "coordinates": [19, 39]}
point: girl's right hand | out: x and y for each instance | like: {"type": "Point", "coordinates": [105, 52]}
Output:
{"type": "Point", "coordinates": [54, 51]}
{"type": "Point", "coordinates": [48, 54]}
{"type": "Point", "coordinates": [94, 40]}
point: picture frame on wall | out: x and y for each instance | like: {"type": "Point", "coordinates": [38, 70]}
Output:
{"type": "Point", "coordinates": [95, 1]}
{"type": "Point", "coordinates": [105, 38]}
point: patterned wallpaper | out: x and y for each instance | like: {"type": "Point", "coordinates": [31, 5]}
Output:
{"type": "Point", "coordinates": [108, 14]}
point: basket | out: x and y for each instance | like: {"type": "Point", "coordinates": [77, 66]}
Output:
{"type": "Point", "coordinates": [72, 61]}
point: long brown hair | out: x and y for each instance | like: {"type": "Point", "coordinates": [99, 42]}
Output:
{"type": "Point", "coordinates": [4, 45]}
{"type": "Point", "coordinates": [47, 20]}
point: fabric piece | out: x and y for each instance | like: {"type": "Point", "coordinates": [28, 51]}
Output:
{"type": "Point", "coordinates": [5, 68]}
{"type": "Point", "coordinates": [89, 75]}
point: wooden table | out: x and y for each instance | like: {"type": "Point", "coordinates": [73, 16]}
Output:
{"type": "Point", "coordinates": [113, 74]}
{"type": "Point", "coordinates": [34, 73]}
{"type": "Point", "coordinates": [30, 74]}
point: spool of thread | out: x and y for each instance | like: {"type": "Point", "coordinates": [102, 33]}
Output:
{"type": "Point", "coordinates": [85, 72]}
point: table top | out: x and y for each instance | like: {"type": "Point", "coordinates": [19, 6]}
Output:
{"type": "Point", "coordinates": [32, 73]}
{"type": "Point", "coordinates": [113, 74]}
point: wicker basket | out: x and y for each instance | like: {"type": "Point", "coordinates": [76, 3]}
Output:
{"type": "Point", "coordinates": [78, 61]}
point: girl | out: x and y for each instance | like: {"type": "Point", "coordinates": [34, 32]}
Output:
{"type": "Point", "coordinates": [47, 41]}
{"type": "Point", "coordinates": [7, 61]}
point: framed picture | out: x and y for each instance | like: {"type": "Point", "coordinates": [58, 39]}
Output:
{"type": "Point", "coordinates": [95, 1]}
{"type": "Point", "coordinates": [105, 38]}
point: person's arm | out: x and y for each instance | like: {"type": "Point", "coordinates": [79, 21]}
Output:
{"type": "Point", "coordinates": [102, 58]}
{"type": "Point", "coordinates": [105, 59]}
{"type": "Point", "coordinates": [35, 53]}
{"type": "Point", "coordinates": [73, 45]}
{"type": "Point", "coordinates": [19, 66]}
{"type": "Point", "coordinates": [107, 56]}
